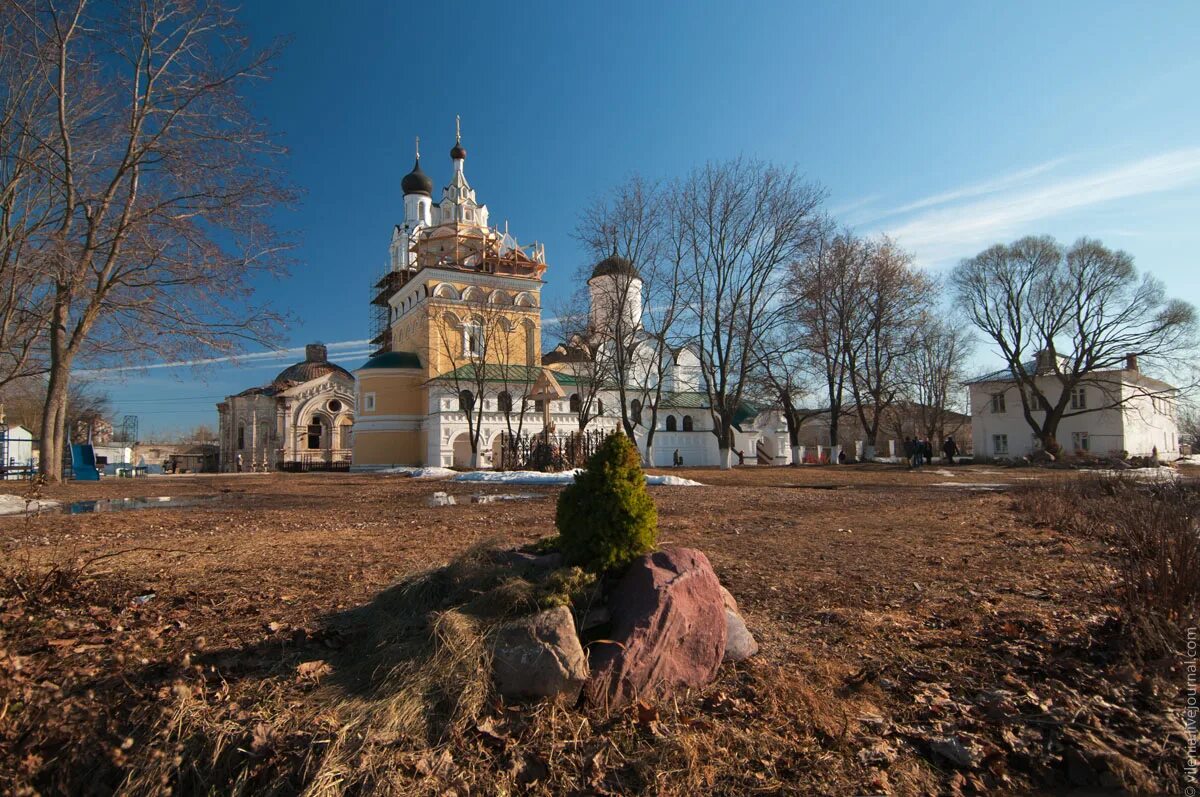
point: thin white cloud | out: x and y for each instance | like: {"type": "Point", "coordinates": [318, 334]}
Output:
{"type": "Point", "coordinates": [251, 359]}
{"type": "Point", "coordinates": [984, 188]}
{"type": "Point", "coordinates": [848, 207]}
{"type": "Point", "coordinates": [951, 232]}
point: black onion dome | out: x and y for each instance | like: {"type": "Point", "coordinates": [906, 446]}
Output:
{"type": "Point", "coordinates": [457, 152]}
{"type": "Point", "coordinates": [416, 181]}
{"type": "Point", "coordinates": [615, 265]}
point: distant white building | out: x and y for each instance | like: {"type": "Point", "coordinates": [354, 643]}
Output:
{"type": "Point", "coordinates": [1124, 411]}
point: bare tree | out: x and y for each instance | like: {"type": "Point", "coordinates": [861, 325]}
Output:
{"type": "Point", "coordinates": [623, 232]}
{"type": "Point", "coordinates": [935, 369]}
{"type": "Point", "coordinates": [476, 343]}
{"type": "Point", "coordinates": [161, 184]}
{"type": "Point", "coordinates": [893, 294]}
{"type": "Point", "coordinates": [825, 298]}
{"type": "Point", "coordinates": [581, 356]}
{"type": "Point", "coordinates": [26, 209]}
{"type": "Point", "coordinates": [744, 221]}
{"type": "Point", "coordinates": [782, 374]}
{"type": "Point", "coordinates": [1189, 425]}
{"type": "Point", "coordinates": [1074, 314]}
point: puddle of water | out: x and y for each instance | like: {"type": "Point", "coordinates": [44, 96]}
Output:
{"type": "Point", "coordinates": [133, 504]}
{"type": "Point", "coordinates": [445, 499]}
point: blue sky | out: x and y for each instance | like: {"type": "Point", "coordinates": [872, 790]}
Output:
{"type": "Point", "coordinates": [951, 126]}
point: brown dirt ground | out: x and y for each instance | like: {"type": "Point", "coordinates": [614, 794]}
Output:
{"type": "Point", "coordinates": [914, 638]}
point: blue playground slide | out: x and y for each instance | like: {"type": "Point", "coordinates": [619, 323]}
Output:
{"type": "Point", "coordinates": [83, 462]}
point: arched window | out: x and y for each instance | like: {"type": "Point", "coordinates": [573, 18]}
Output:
{"type": "Point", "coordinates": [599, 406]}
{"type": "Point", "coordinates": [315, 432]}
{"type": "Point", "coordinates": [687, 423]}
{"type": "Point", "coordinates": [635, 411]}
{"type": "Point", "coordinates": [473, 339]}
{"type": "Point", "coordinates": [575, 403]}
{"type": "Point", "coordinates": [504, 401]}
{"type": "Point", "coordinates": [241, 437]}
{"type": "Point", "coordinates": [466, 401]}
{"type": "Point", "coordinates": [671, 423]}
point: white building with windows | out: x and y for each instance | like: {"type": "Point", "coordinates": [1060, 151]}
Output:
{"type": "Point", "coordinates": [1113, 412]}
{"type": "Point", "coordinates": [303, 418]}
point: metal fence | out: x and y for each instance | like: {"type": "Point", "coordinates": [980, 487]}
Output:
{"type": "Point", "coordinates": [556, 451]}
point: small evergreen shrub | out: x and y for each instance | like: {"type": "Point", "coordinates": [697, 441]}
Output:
{"type": "Point", "coordinates": [606, 519]}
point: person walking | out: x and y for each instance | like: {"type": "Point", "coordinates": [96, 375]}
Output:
{"type": "Point", "coordinates": [926, 452]}
{"type": "Point", "coordinates": [950, 449]}
{"type": "Point", "coordinates": [910, 452]}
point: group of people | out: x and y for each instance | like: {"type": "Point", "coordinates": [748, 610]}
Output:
{"type": "Point", "coordinates": [920, 452]}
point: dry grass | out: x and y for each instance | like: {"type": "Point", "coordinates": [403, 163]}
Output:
{"type": "Point", "coordinates": [1154, 531]}
{"type": "Point", "coordinates": [279, 652]}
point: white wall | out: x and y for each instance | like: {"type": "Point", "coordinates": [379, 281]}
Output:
{"type": "Point", "coordinates": [1136, 428]}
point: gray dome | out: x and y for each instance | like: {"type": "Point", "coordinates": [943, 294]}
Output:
{"type": "Point", "coordinates": [315, 364]}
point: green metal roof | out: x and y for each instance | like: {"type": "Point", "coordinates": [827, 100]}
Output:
{"type": "Point", "coordinates": [684, 400]}
{"type": "Point", "coordinates": [392, 359]}
{"type": "Point", "coordinates": [495, 372]}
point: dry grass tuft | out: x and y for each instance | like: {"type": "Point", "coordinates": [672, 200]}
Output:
{"type": "Point", "coordinates": [1153, 532]}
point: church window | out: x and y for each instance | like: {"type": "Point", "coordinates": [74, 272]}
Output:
{"type": "Point", "coordinates": [688, 424]}
{"type": "Point", "coordinates": [504, 401]}
{"type": "Point", "coordinates": [599, 406]}
{"type": "Point", "coordinates": [1079, 399]}
{"type": "Point", "coordinates": [368, 402]}
{"type": "Point", "coordinates": [671, 423]}
{"type": "Point", "coordinates": [998, 407]}
{"type": "Point", "coordinates": [466, 401]}
{"type": "Point", "coordinates": [473, 339]}
{"type": "Point", "coordinates": [635, 411]}
{"type": "Point", "coordinates": [575, 404]}
{"type": "Point", "coordinates": [241, 437]}
{"type": "Point", "coordinates": [334, 405]}
{"type": "Point", "coordinates": [315, 433]}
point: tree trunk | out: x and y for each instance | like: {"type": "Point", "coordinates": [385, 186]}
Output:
{"type": "Point", "coordinates": [649, 454]}
{"type": "Point", "coordinates": [54, 422]}
{"type": "Point", "coordinates": [795, 454]}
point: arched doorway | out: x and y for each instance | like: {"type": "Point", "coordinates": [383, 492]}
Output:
{"type": "Point", "coordinates": [462, 450]}
{"type": "Point", "coordinates": [314, 437]}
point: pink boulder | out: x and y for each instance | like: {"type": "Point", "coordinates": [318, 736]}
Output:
{"type": "Point", "coordinates": [668, 629]}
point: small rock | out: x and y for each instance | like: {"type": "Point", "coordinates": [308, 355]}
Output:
{"type": "Point", "coordinates": [739, 642]}
{"type": "Point", "coordinates": [730, 602]}
{"type": "Point", "coordinates": [540, 656]}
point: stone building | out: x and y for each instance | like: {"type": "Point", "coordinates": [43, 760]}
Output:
{"type": "Point", "coordinates": [302, 419]}
{"type": "Point", "coordinates": [1111, 412]}
{"type": "Point", "coordinates": [458, 335]}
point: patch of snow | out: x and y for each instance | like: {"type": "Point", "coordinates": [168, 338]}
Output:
{"type": "Point", "coordinates": [1161, 473]}
{"type": "Point", "coordinates": [16, 505]}
{"type": "Point", "coordinates": [420, 473]}
{"type": "Point", "coordinates": [944, 472]}
{"type": "Point", "coordinates": [973, 485]}
{"type": "Point", "coordinates": [672, 481]}
{"type": "Point", "coordinates": [563, 477]}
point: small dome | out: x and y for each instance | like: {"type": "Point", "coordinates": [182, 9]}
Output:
{"type": "Point", "coordinates": [614, 265]}
{"type": "Point", "coordinates": [416, 181]}
{"type": "Point", "coordinates": [457, 152]}
{"type": "Point", "coordinates": [315, 364]}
